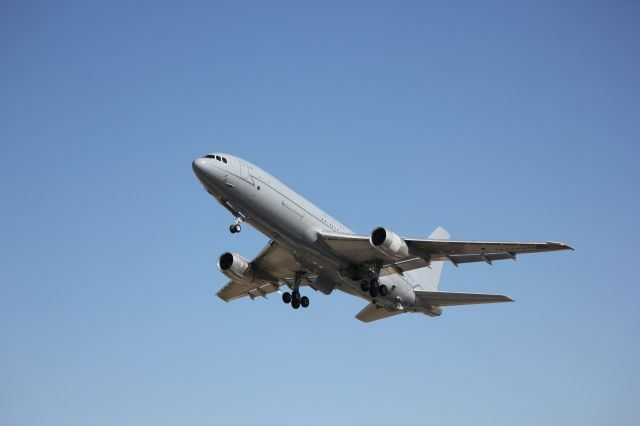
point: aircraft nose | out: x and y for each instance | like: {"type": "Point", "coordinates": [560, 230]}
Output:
{"type": "Point", "coordinates": [199, 167]}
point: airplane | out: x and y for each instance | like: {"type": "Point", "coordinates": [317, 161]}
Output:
{"type": "Point", "coordinates": [308, 247]}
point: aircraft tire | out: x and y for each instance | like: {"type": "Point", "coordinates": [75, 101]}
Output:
{"type": "Point", "coordinates": [304, 301]}
{"type": "Point", "coordinates": [286, 297]}
{"type": "Point", "coordinates": [295, 304]}
{"type": "Point", "coordinates": [364, 285]}
{"type": "Point", "coordinates": [373, 291]}
{"type": "Point", "coordinates": [382, 289]}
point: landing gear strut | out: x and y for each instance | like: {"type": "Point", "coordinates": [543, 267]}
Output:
{"type": "Point", "coordinates": [235, 227]}
{"type": "Point", "coordinates": [294, 297]}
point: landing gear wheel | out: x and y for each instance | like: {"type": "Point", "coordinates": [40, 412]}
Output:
{"type": "Point", "coordinates": [295, 304]}
{"type": "Point", "coordinates": [286, 297]}
{"type": "Point", "coordinates": [375, 282]}
{"type": "Point", "coordinates": [382, 289]}
{"type": "Point", "coordinates": [232, 229]}
{"type": "Point", "coordinates": [295, 296]}
{"type": "Point", "coordinates": [373, 291]}
{"type": "Point", "coordinates": [364, 285]}
{"type": "Point", "coordinates": [304, 301]}
{"type": "Point", "coordinates": [236, 228]}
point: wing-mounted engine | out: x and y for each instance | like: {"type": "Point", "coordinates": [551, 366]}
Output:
{"type": "Point", "coordinates": [236, 267]}
{"type": "Point", "coordinates": [390, 245]}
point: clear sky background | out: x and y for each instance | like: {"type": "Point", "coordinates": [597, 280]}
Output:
{"type": "Point", "coordinates": [497, 120]}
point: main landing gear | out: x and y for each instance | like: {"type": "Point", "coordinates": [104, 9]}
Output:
{"type": "Point", "coordinates": [373, 286]}
{"type": "Point", "coordinates": [294, 297]}
{"type": "Point", "coordinates": [235, 227]}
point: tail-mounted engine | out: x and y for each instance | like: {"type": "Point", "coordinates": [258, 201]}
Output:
{"type": "Point", "coordinates": [392, 246]}
{"type": "Point", "coordinates": [236, 267]}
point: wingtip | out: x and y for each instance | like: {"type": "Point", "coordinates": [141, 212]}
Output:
{"type": "Point", "coordinates": [560, 246]}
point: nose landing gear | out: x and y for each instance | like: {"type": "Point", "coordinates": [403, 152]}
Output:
{"type": "Point", "coordinates": [235, 227]}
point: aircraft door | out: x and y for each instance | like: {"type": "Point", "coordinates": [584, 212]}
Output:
{"type": "Point", "coordinates": [244, 171]}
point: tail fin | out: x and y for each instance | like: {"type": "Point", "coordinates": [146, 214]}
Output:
{"type": "Point", "coordinates": [428, 278]}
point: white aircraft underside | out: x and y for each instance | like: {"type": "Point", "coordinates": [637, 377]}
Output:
{"type": "Point", "coordinates": [310, 248]}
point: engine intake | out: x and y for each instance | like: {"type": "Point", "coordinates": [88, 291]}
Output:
{"type": "Point", "coordinates": [392, 246]}
{"type": "Point", "coordinates": [236, 267]}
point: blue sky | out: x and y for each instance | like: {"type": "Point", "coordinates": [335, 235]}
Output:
{"type": "Point", "coordinates": [495, 120]}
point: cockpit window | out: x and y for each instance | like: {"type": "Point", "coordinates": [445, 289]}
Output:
{"type": "Point", "coordinates": [216, 157]}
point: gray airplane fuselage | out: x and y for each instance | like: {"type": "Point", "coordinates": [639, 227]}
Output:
{"type": "Point", "coordinates": [289, 219]}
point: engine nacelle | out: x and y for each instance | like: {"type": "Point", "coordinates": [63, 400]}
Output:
{"type": "Point", "coordinates": [236, 267]}
{"type": "Point", "coordinates": [392, 246]}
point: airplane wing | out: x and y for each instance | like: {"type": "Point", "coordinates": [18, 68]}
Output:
{"type": "Point", "coordinates": [276, 262]}
{"type": "Point", "coordinates": [357, 249]}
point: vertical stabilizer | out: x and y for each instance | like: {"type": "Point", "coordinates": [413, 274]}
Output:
{"type": "Point", "coordinates": [428, 278]}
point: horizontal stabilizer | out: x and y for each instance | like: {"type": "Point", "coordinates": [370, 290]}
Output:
{"type": "Point", "coordinates": [441, 298]}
